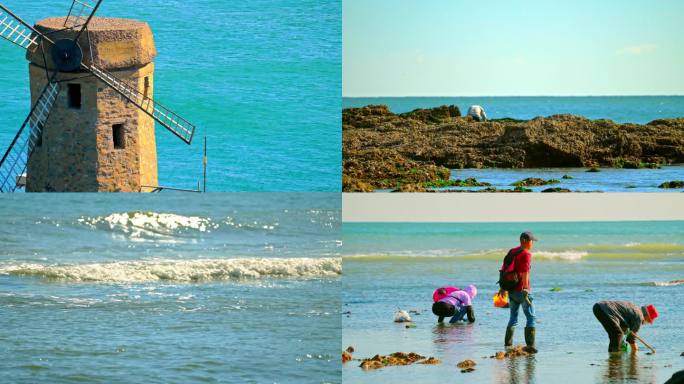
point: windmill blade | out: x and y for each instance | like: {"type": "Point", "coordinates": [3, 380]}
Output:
{"type": "Point", "coordinates": [14, 162]}
{"type": "Point", "coordinates": [164, 116]}
{"type": "Point", "coordinates": [17, 31]}
{"type": "Point", "coordinates": [90, 16]}
{"type": "Point", "coordinates": [79, 11]}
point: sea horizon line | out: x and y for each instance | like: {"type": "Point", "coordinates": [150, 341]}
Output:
{"type": "Point", "coordinates": [452, 96]}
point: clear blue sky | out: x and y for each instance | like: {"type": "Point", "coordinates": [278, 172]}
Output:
{"type": "Point", "coordinates": [508, 47]}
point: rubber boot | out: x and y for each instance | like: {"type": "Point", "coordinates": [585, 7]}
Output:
{"type": "Point", "coordinates": [508, 341]}
{"type": "Point", "coordinates": [529, 340]}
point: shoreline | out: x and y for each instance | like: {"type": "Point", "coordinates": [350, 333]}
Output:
{"type": "Point", "coordinates": [414, 151]}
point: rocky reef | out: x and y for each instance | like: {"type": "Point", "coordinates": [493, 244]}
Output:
{"type": "Point", "coordinates": [415, 150]}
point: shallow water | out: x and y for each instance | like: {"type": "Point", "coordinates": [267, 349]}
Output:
{"type": "Point", "coordinates": [621, 109]}
{"type": "Point", "coordinates": [390, 266]}
{"type": "Point", "coordinates": [260, 79]}
{"type": "Point", "coordinates": [607, 180]}
{"type": "Point", "coordinates": [162, 289]}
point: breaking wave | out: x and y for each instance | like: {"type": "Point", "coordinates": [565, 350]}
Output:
{"type": "Point", "coordinates": [489, 255]}
{"type": "Point", "coordinates": [629, 251]}
{"type": "Point", "coordinates": [564, 255]}
{"type": "Point", "coordinates": [664, 283]}
{"type": "Point", "coordinates": [180, 270]}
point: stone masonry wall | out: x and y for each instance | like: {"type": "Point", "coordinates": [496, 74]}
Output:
{"type": "Point", "coordinates": [78, 153]}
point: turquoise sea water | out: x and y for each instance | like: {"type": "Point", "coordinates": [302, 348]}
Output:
{"type": "Point", "coordinates": [622, 109]}
{"type": "Point", "coordinates": [167, 289]}
{"type": "Point", "coordinates": [391, 266]}
{"type": "Point", "coordinates": [260, 79]}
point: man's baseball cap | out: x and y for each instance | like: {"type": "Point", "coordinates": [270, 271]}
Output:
{"type": "Point", "coordinates": [527, 235]}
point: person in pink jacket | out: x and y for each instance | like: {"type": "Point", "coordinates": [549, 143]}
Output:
{"type": "Point", "coordinates": [455, 303]}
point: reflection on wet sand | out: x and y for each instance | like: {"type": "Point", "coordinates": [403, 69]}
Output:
{"type": "Point", "coordinates": [452, 336]}
{"type": "Point", "coordinates": [625, 367]}
{"type": "Point", "coordinates": [452, 339]}
{"type": "Point", "coordinates": [453, 333]}
{"type": "Point", "coordinates": [518, 370]}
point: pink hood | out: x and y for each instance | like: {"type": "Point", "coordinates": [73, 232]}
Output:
{"type": "Point", "coordinates": [471, 290]}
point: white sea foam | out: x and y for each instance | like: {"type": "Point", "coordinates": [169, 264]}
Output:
{"type": "Point", "coordinates": [141, 224]}
{"type": "Point", "coordinates": [563, 255]}
{"type": "Point", "coordinates": [180, 270]}
{"type": "Point", "coordinates": [665, 283]}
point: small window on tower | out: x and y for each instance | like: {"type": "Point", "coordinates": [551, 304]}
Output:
{"type": "Point", "coordinates": [74, 92]}
{"type": "Point", "coordinates": [119, 136]}
{"type": "Point", "coordinates": [146, 90]}
{"type": "Point", "coordinates": [39, 140]}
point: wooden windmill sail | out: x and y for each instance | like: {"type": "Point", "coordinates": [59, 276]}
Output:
{"type": "Point", "coordinates": [68, 54]}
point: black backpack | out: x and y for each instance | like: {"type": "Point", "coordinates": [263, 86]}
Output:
{"type": "Point", "coordinates": [508, 280]}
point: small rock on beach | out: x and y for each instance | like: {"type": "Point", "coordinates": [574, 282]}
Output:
{"type": "Point", "coordinates": [516, 351]}
{"type": "Point", "coordinates": [397, 358]}
{"type": "Point", "coordinates": [466, 364]}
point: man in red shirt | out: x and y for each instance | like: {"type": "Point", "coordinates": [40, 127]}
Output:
{"type": "Point", "coordinates": [520, 295]}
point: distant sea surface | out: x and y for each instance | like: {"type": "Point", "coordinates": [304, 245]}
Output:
{"type": "Point", "coordinates": [261, 79]}
{"type": "Point", "coordinates": [621, 109]}
{"type": "Point", "coordinates": [175, 288]}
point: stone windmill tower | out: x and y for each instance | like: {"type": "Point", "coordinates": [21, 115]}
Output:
{"type": "Point", "coordinates": [91, 127]}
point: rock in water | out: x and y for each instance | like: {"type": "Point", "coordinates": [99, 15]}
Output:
{"type": "Point", "coordinates": [350, 349]}
{"type": "Point", "coordinates": [396, 358]}
{"type": "Point", "coordinates": [534, 181]}
{"type": "Point", "coordinates": [346, 356]}
{"type": "Point", "coordinates": [430, 360]}
{"type": "Point", "coordinates": [516, 351]}
{"type": "Point", "coordinates": [466, 364]}
{"type": "Point", "coordinates": [672, 184]}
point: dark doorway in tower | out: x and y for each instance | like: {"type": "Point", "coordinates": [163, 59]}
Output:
{"type": "Point", "coordinates": [74, 93]}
